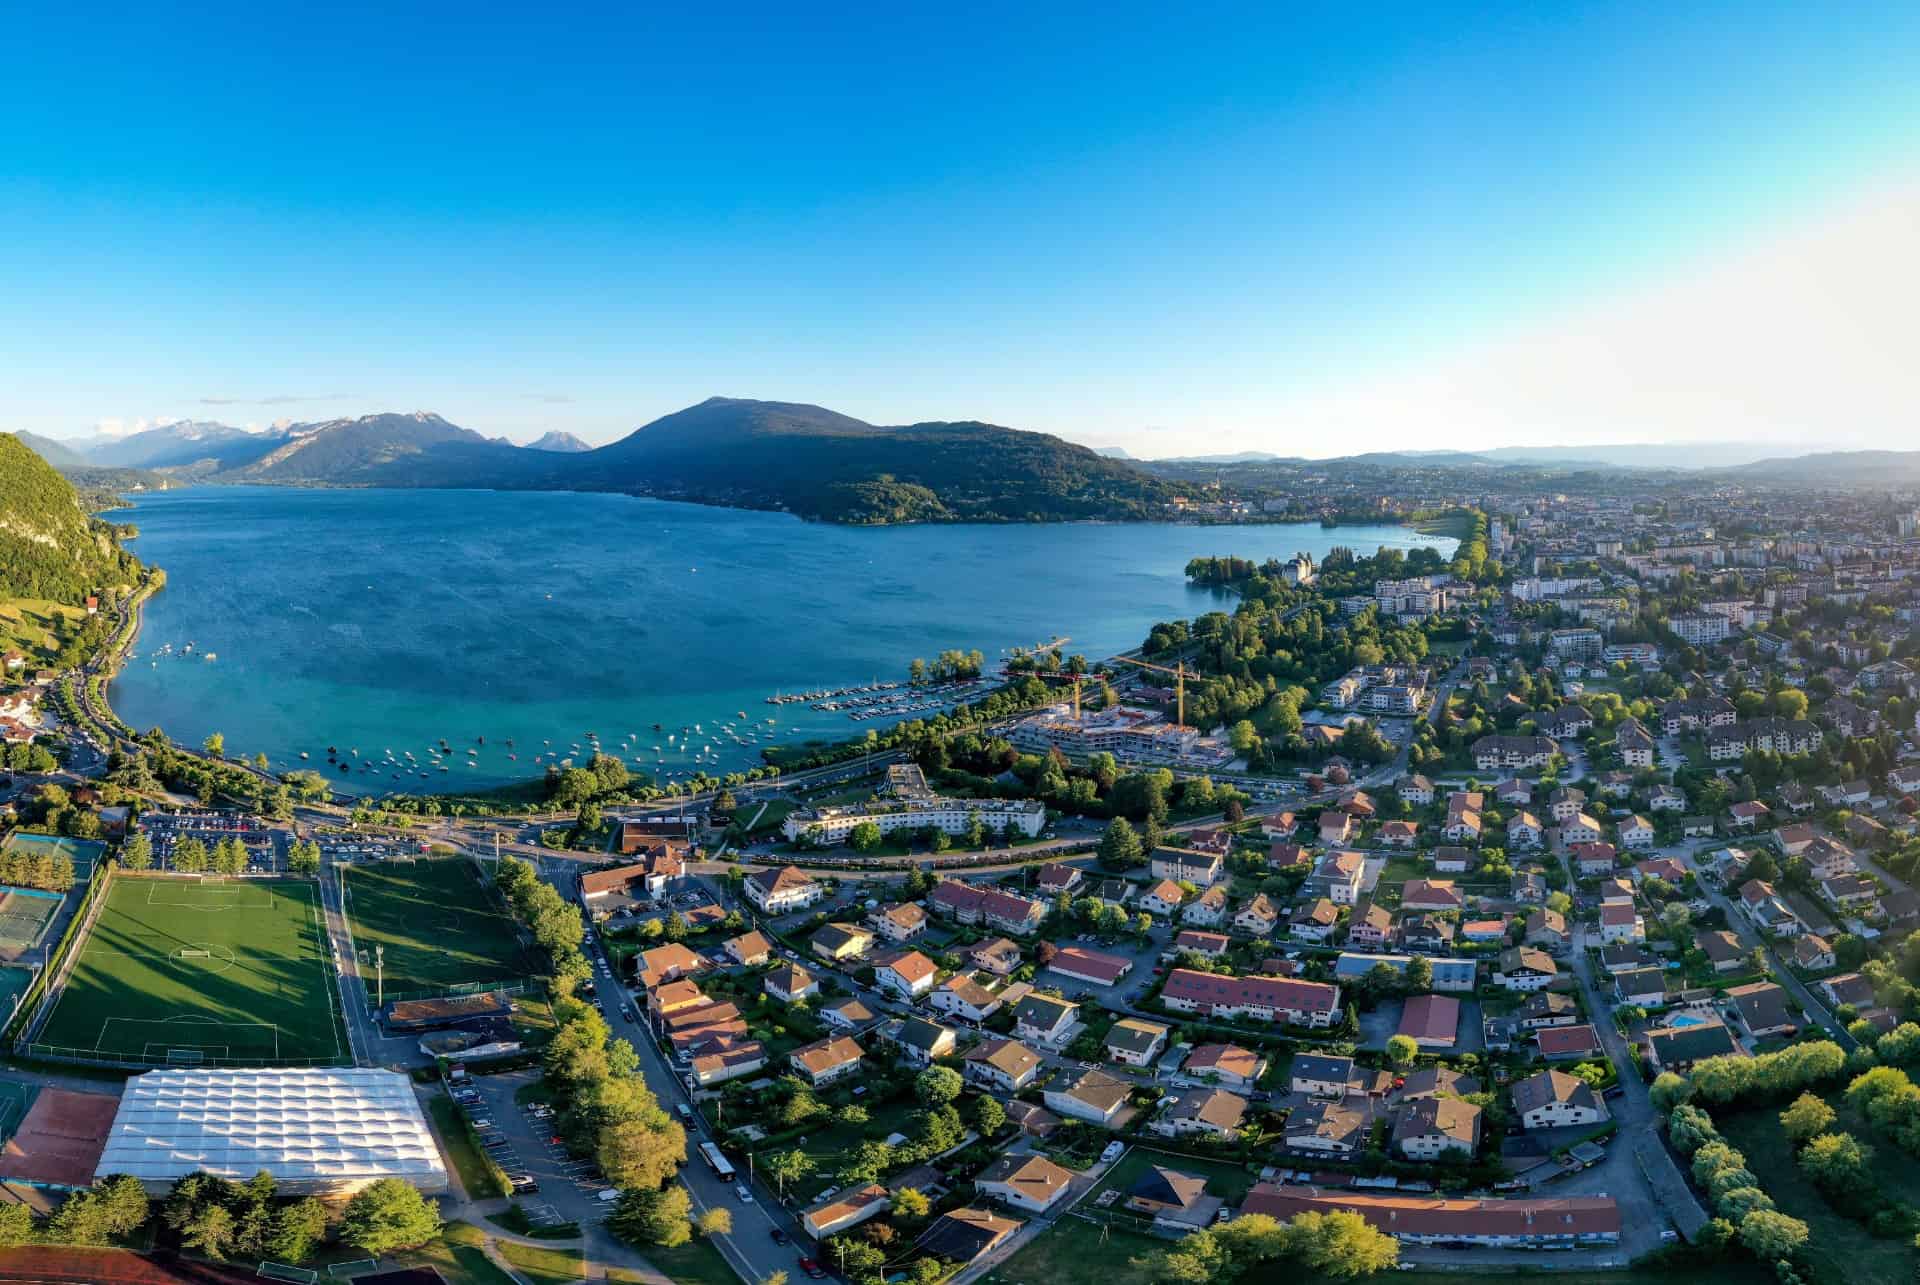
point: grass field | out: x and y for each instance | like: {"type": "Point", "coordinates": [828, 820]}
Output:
{"type": "Point", "coordinates": [543, 1266]}
{"type": "Point", "coordinates": [188, 972]}
{"type": "Point", "coordinates": [1840, 1250]}
{"type": "Point", "coordinates": [29, 624]}
{"type": "Point", "coordinates": [443, 928]}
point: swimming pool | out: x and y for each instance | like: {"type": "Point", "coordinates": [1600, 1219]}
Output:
{"type": "Point", "coordinates": [1688, 1019]}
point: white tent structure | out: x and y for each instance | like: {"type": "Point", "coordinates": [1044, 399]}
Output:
{"type": "Point", "coordinates": [328, 1131]}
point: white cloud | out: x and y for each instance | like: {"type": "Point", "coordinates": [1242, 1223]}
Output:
{"type": "Point", "coordinates": [1801, 338]}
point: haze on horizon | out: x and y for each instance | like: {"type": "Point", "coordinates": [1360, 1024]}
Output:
{"type": "Point", "coordinates": [1178, 233]}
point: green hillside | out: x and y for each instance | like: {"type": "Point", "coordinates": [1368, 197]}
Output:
{"type": "Point", "coordinates": [50, 548]}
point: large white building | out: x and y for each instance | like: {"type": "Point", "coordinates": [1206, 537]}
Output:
{"type": "Point", "coordinates": [832, 825]}
{"type": "Point", "coordinates": [328, 1131]}
{"type": "Point", "coordinates": [1131, 735]}
{"type": "Point", "coordinates": [1699, 630]}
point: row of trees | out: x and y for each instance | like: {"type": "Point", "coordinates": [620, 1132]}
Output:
{"type": "Point", "coordinates": [554, 924]}
{"type": "Point", "coordinates": [222, 1219]}
{"type": "Point", "coordinates": [1341, 1245]}
{"type": "Point", "coordinates": [607, 1111]}
{"type": "Point", "coordinates": [36, 868]}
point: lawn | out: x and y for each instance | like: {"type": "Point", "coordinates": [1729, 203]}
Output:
{"type": "Point", "coordinates": [479, 1176]}
{"type": "Point", "coordinates": [30, 624]}
{"type": "Point", "coordinates": [698, 1262]}
{"type": "Point", "coordinates": [1227, 1181]}
{"type": "Point", "coordinates": [1077, 1252]}
{"type": "Point", "coordinates": [543, 1266]}
{"type": "Point", "coordinates": [443, 928]}
{"type": "Point", "coordinates": [457, 1256]}
{"type": "Point", "coordinates": [1840, 1249]}
{"type": "Point", "coordinates": [214, 972]}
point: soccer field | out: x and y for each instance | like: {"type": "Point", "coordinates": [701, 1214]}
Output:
{"type": "Point", "coordinates": [443, 927]}
{"type": "Point", "coordinates": [178, 972]}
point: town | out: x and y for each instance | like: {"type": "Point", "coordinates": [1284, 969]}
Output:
{"type": "Point", "coordinates": [1546, 906]}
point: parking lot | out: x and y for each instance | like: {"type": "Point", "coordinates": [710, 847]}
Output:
{"type": "Point", "coordinates": [552, 1186]}
{"type": "Point", "coordinates": [350, 847]}
{"type": "Point", "coordinates": [266, 846]}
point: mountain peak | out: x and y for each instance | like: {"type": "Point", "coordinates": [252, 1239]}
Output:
{"type": "Point", "coordinates": [556, 440]}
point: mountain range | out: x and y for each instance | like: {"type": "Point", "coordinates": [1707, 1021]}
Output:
{"type": "Point", "coordinates": [807, 460]}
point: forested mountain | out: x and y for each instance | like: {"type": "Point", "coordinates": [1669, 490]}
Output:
{"type": "Point", "coordinates": [49, 546]}
{"type": "Point", "coordinates": [769, 455]}
{"type": "Point", "coordinates": [822, 464]}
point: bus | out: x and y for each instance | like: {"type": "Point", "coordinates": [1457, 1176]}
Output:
{"type": "Point", "coordinates": [717, 1162]}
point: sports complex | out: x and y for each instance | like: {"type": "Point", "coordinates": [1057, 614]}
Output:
{"type": "Point", "coordinates": [439, 926]}
{"type": "Point", "coordinates": [232, 972]}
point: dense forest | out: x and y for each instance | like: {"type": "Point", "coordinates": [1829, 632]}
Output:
{"type": "Point", "coordinates": [51, 548]}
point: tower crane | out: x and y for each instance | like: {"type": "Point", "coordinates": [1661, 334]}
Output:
{"type": "Point", "coordinates": [1180, 674]}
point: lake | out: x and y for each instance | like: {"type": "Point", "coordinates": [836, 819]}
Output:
{"type": "Point", "coordinates": [384, 621]}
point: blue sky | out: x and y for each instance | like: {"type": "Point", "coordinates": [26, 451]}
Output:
{"type": "Point", "coordinates": [1174, 228]}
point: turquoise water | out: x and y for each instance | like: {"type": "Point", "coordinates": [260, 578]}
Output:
{"type": "Point", "coordinates": [387, 620]}
{"type": "Point", "coordinates": [1686, 1019]}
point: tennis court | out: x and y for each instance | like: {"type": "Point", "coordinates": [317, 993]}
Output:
{"type": "Point", "coordinates": [24, 916]}
{"type": "Point", "coordinates": [193, 972]}
{"type": "Point", "coordinates": [442, 926]}
{"type": "Point", "coordinates": [13, 984]}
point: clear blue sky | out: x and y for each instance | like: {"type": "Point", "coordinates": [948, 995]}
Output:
{"type": "Point", "coordinates": [1146, 225]}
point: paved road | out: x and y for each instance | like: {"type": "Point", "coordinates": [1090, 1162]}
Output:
{"type": "Point", "coordinates": [1688, 855]}
{"type": "Point", "coordinates": [750, 1249]}
{"type": "Point", "coordinates": [1634, 1107]}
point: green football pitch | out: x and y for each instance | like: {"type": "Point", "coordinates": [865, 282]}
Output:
{"type": "Point", "coordinates": [178, 972]}
{"type": "Point", "coordinates": [443, 928]}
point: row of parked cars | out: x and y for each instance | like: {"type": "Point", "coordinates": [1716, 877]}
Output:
{"type": "Point", "coordinates": [493, 1141]}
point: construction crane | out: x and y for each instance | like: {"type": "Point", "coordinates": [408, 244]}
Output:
{"type": "Point", "coordinates": [1076, 679]}
{"type": "Point", "coordinates": [1180, 674]}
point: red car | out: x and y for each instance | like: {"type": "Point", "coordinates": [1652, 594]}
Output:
{"type": "Point", "coordinates": [813, 1270]}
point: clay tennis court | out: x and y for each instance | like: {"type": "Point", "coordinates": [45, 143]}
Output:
{"type": "Point", "coordinates": [60, 1139]}
{"type": "Point", "coordinates": [63, 1265]}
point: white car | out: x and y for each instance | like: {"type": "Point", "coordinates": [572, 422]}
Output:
{"type": "Point", "coordinates": [740, 1190]}
{"type": "Point", "coordinates": [1112, 1152]}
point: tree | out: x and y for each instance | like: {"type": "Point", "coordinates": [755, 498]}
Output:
{"type": "Point", "coordinates": [1772, 1235]}
{"type": "Point", "coordinates": [937, 1086]}
{"type": "Point", "coordinates": [190, 856]}
{"type": "Point", "coordinates": [787, 1166]}
{"type": "Point", "coordinates": [389, 1215]}
{"type": "Point", "coordinates": [1807, 1117]}
{"type": "Point", "coordinates": [137, 852]}
{"type": "Point", "coordinates": [304, 858]}
{"type": "Point", "coordinates": [717, 1221]}
{"type": "Point", "coordinates": [296, 1229]}
{"type": "Point", "coordinates": [865, 837]}
{"type": "Point", "coordinates": [653, 1217]}
{"type": "Point", "coordinates": [215, 744]}
{"type": "Point", "coordinates": [1343, 1244]}
{"type": "Point", "coordinates": [911, 1203]}
{"type": "Point", "coordinates": [1120, 845]}
{"type": "Point", "coordinates": [1418, 978]}
{"type": "Point", "coordinates": [210, 1231]}
{"type": "Point", "coordinates": [1401, 1050]}
{"type": "Point", "coordinates": [1837, 1162]}
{"type": "Point", "coordinates": [989, 1117]}
{"type": "Point", "coordinates": [16, 1225]}
{"type": "Point", "coordinates": [641, 1152]}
